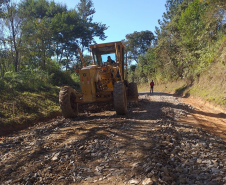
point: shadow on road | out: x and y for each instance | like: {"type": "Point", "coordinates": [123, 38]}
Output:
{"type": "Point", "coordinates": [209, 114]}
{"type": "Point", "coordinates": [155, 94]}
{"type": "Point", "coordinates": [131, 146]}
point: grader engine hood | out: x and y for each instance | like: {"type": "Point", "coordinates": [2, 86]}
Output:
{"type": "Point", "coordinates": [88, 77]}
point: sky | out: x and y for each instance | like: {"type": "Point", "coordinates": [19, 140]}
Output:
{"type": "Point", "coordinates": [124, 16]}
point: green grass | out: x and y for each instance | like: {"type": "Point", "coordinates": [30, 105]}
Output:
{"type": "Point", "coordinates": [28, 106]}
{"type": "Point", "coordinates": [31, 95]}
{"type": "Point", "coordinates": [210, 86]}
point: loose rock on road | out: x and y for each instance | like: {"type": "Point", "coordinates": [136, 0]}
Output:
{"type": "Point", "coordinates": [147, 146]}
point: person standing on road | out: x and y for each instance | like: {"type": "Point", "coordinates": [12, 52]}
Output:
{"type": "Point", "coordinates": [152, 86]}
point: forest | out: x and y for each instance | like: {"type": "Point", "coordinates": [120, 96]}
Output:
{"type": "Point", "coordinates": [43, 36]}
{"type": "Point", "coordinates": [40, 38]}
{"type": "Point", "coordinates": [189, 39]}
{"type": "Point", "coordinates": [39, 41]}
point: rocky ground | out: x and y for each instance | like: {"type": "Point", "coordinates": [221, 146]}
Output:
{"type": "Point", "coordinates": [149, 145]}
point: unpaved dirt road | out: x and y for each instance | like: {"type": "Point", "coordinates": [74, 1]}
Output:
{"type": "Point", "coordinates": [161, 141]}
{"type": "Point", "coordinates": [206, 116]}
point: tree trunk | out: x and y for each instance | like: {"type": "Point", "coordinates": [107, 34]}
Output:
{"type": "Point", "coordinates": [14, 40]}
{"type": "Point", "coordinates": [67, 64]}
{"type": "Point", "coordinates": [43, 54]}
{"type": "Point", "coordinates": [16, 62]}
{"type": "Point", "coordinates": [1, 70]}
{"type": "Point", "coordinates": [15, 46]}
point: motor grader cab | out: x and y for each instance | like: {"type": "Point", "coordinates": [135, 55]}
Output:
{"type": "Point", "coordinates": [103, 81]}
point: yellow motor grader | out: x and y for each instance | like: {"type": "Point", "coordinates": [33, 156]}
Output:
{"type": "Point", "coordinates": [103, 81]}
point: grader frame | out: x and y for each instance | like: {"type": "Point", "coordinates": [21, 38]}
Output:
{"type": "Point", "coordinates": [101, 82]}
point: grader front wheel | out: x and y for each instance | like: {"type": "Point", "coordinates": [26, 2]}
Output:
{"type": "Point", "coordinates": [67, 100]}
{"type": "Point", "coordinates": [120, 100]}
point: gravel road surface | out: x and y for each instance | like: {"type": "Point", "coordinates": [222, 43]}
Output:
{"type": "Point", "coordinates": [159, 141]}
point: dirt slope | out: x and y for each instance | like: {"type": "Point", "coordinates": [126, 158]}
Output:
{"type": "Point", "coordinates": [158, 142]}
{"type": "Point", "coordinates": [207, 116]}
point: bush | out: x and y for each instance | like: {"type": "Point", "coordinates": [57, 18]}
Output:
{"type": "Point", "coordinates": [29, 80]}
{"type": "Point", "coordinates": [2, 84]}
{"type": "Point", "coordinates": [62, 78]}
{"type": "Point", "coordinates": [75, 77]}
{"type": "Point", "coordinates": [33, 80]}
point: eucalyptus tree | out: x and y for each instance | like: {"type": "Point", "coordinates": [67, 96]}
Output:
{"type": "Point", "coordinates": [169, 48]}
{"type": "Point", "coordinates": [67, 30]}
{"type": "Point", "coordinates": [3, 4]}
{"type": "Point", "coordinates": [4, 58]}
{"type": "Point", "coordinates": [138, 43]}
{"type": "Point", "coordinates": [50, 29]}
{"type": "Point", "coordinates": [38, 30]}
{"type": "Point", "coordinates": [91, 29]}
{"type": "Point", "coordinates": [13, 21]}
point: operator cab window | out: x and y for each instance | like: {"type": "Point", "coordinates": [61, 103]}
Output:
{"type": "Point", "coordinates": [105, 57]}
{"type": "Point", "coordinates": [101, 54]}
{"type": "Point", "coordinates": [102, 59]}
{"type": "Point", "coordinates": [97, 59]}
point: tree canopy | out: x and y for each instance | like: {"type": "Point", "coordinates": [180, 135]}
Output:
{"type": "Point", "coordinates": [41, 32]}
{"type": "Point", "coordinates": [186, 41]}
{"type": "Point", "coordinates": [138, 43]}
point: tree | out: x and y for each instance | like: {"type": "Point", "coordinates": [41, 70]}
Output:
{"type": "Point", "coordinates": [90, 29]}
{"type": "Point", "coordinates": [169, 49]}
{"type": "Point", "coordinates": [3, 58]}
{"type": "Point", "coordinates": [39, 29]}
{"type": "Point", "coordinates": [191, 25]}
{"type": "Point", "coordinates": [13, 22]}
{"type": "Point", "coordinates": [138, 43]}
{"type": "Point", "coordinates": [185, 40]}
{"type": "Point", "coordinates": [67, 30]}
{"type": "Point", "coordinates": [3, 4]}
{"type": "Point", "coordinates": [214, 19]}
{"type": "Point", "coordinates": [132, 70]}
{"type": "Point", "coordinates": [171, 8]}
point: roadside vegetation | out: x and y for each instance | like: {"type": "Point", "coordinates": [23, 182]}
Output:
{"type": "Point", "coordinates": [39, 43]}
{"type": "Point", "coordinates": [29, 95]}
{"type": "Point", "coordinates": [187, 56]}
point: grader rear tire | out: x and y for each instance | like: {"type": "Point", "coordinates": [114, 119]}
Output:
{"type": "Point", "coordinates": [133, 92]}
{"type": "Point", "coordinates": [120, 99]}
{"type": "Point", "coordinates": [67, 100]}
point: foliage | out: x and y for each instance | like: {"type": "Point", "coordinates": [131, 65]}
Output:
{"type": "Point", "coordinates": [91, 29]}
{"type": "Point", "coordinates": [28, 106]}
{"type": "Point", "coordinates": [27, 80]}
{"type": "Point", "coordinates": [190, 36]}
{"type": "Point", "coordinates": [75, 77]}
{"type": "Point", "coordinates": [35, 80]}
{"type": "Point", "coordinates": [33, 92]}
{"type": "Point", "coordinates": [40, 32]}
{"type": "Point", "coordinates": [191, 26]}
{"type": "Point", "coordinates": [38, 52]}
{"type": "Point", "coordinates": [138, 43]}
{"type": "Point", "coordinates": [62, 78]}
{"type": "Point", "coordinates": [131, 73]}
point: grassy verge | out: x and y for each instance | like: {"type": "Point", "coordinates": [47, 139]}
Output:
{"type": "Point", "coordinates": [21, 107]}
{"type": "Point", "coordinates": [31, 95]}
{"type": "Point", "coordinates": [169, 87]}
{"type": "Point", "coordinates": [210, 86]}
